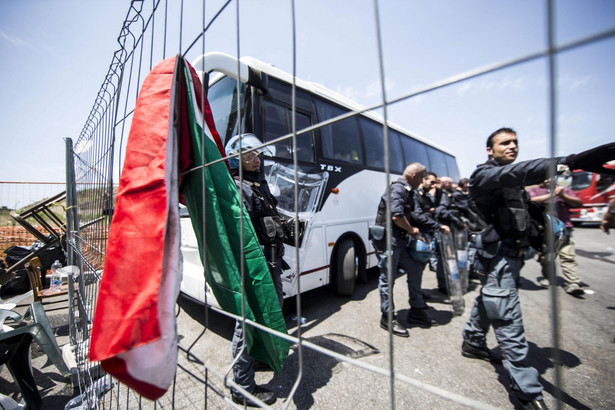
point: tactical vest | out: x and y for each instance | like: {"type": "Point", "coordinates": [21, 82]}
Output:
{"type": "Point", "coordinates": [381, 218]}
{"type": "Point", "coordinates": [509, 216]}
{"type": "Point", "coordinates": [452, 205]}
{"type": "Point", "coordinates": [266, 220]}
{"type": "Point", "coordinates": [429, 203]}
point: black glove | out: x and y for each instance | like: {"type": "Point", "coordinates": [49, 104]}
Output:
{"type": "Point", "coordinates": [593, 159]}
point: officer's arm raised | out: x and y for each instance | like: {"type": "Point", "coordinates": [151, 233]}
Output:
{"type": "Point", "coordinates": [593, 159]}
{"type": "Point", "coordinates": [522, 173]}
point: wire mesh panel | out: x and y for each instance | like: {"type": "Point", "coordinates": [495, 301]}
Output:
{"type": "Point", "coordinates": [310, 134]}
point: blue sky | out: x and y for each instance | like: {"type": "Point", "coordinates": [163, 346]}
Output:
{"type": "Point", "coordinates": [55, 55]}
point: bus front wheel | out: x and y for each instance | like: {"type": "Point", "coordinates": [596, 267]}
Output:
{"type": "Point", "coordinates": [346, 268]}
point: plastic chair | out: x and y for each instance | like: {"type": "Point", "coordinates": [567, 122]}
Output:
{"type": "Point", "coordinates": [39, 215]}
{"type": "Point", "coordinates": [15, 349]}
{"type": "Point", "coordinates": [39, 293]}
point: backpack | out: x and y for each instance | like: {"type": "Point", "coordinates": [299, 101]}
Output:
{"type": "Point", "coordinates": [543, 224]}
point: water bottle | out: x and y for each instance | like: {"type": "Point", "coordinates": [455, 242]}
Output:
{"type": "Point", "coordinates": [56, 278]}
{"type": "Point", "coordinates": [295, 319]}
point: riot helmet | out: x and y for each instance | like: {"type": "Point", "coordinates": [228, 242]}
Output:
{"type": "Point", "coordinates": [244, 142]}
{"type": "Point", "coordinates": [420, 250]}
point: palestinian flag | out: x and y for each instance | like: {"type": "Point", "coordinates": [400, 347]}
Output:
{"type": "Point", "coordinates": [134, 333]}
{"type": "Point", "coordinates": [221, 246]}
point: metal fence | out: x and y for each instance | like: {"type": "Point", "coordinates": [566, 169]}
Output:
{"type": "Point", "coordinates": [95, 160]}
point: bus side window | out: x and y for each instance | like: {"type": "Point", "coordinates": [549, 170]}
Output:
{"type": "Point", "coordinates": [373, 138]}
{"type": "Point", "coordinates": [275, 125]}
{"type": "Point", "coordinates": [414, 151]}
{"type": "Point", "coordinates": [396, 160]}
{"type": "Point", "coordinates": [341, 140]}
{"type": "Point", "coordinates": [451, 165]}
{"type": "Point", "coordinates": [374, 141]}
{"type": "Point", "coordinates": [277, 122]}
{"type": "Point", "coordinates": [437, 161]}
{"type": "Point", "coordinates": [305, 142]}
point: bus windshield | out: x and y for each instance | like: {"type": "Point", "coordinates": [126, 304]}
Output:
{"type": "Point", "coordinates": [222, 97]}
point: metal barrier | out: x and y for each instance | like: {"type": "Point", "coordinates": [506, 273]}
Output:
{"type": "Point", "coordinates": [18, 195]}
{"type": "Point", "coordinates": [95, 160]}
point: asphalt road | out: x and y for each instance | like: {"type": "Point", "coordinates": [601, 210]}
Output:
{"type": "Point", "coordinates": [430, 372]}
{"type": "Point", "coordinates": [428, 366]}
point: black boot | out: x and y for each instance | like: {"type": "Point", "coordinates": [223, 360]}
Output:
{"type": "Point", "coordinates": [261, 393]}
{"type": "Point", "coordinates": [396, 328]}
{"type": "Point", "coordinates": [419, 317]}
{"type": "Point", "coordinates": [482, 353]}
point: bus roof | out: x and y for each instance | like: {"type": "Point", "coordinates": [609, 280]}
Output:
{"type": "Point", "coordinates": [249, 67]}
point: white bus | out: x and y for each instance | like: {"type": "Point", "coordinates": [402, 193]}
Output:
{"type": "Point", "coordinates": [340, 168]}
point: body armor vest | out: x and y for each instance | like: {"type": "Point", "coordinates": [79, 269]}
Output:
{"type": "Point", "coordinates": [381, 219]}
{"type": "Point", "coordinates": [265, 217]}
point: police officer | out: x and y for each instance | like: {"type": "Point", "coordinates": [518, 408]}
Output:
{"type": "Point", "coordinates": [261, 206]}
{"type": "Point", "coordinates": [423, 216]}
{"type": "Point", "coordinates": [429, 192]}
{"type": "Point", "coordinates": [467, 207]}
{"type": "Point", "coordinates": [471, 217]}
{"type": "Point", "coordinates": [497, 188]}
{"type": "Point", "coordinates": [447, 210]}
{"type": "Point", "coordinates": [400, 194]}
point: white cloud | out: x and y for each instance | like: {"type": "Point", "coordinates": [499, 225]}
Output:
{"type": "Point", "coordinates": [371, 94]}
{"type": "Point", "coordinates": [15, 41]}
{"type": "Point", "coordinates": [519, 83]}
{"type": "Point", "coordinates": [505, 83]}
{"type": "Point", "coordinates": [569, 82]}
{"type": "Point", "coordinates": [349, 92]}
{"type": "Point", "coordinates": [463, 88]}
{"type": "Point", "coordinates": [375, 89]}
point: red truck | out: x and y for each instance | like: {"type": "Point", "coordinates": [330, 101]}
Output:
{"type": "Point", "coordinates": [595, 190]}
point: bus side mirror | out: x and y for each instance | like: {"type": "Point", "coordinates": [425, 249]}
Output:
{"type": "Point", "coordinates": [258, 79]}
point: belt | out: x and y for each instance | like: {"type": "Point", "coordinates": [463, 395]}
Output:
{"type": "Point", "coordinates": [510, 252]}
{"type": "Point", "coordinates": [279, 249]}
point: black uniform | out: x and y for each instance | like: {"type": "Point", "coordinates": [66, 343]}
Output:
{"type": "Point", "coordinates": [424, 219]}
{"type": "Point", "coordinates": [498, 192]}
{"type": "Point", "coordinates": [468, 211]}
{"type": "Point", "coordinates": [448, 211]}
{"type": "Point", "coordinates": [422, 216]}
{"type": "Point", "coordinates": [261, 206]}
{"type": "Point", "coordinates": [402, 204]}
